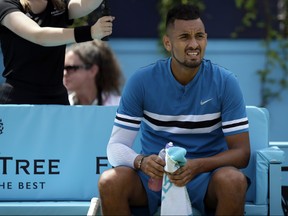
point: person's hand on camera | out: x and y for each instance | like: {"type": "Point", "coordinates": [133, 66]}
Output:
{"type": "Point", "coordinates": [102, 28]}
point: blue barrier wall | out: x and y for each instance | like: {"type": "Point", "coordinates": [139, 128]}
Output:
{"type": "Point", "coordinates": [243, 57]}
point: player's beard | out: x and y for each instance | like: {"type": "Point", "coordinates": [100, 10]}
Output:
{"type": "Point", "coordinates": [188, 63]}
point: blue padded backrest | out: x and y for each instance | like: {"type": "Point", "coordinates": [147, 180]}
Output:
{"type": "Point", "coordinates": [259, 139]}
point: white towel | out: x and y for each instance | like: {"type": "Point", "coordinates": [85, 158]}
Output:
{"type": "Point", "coordinates": [175, 200]}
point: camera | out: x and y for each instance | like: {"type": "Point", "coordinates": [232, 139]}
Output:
{"type": "Point", "coordinates": [105, 11]}
{"type": "Point", "coordinates": [102, 10]}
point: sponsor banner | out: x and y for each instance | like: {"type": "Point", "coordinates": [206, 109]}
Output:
{"type": "Point", "coordinates": [53, 152]}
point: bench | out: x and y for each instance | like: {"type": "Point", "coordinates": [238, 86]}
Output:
{"type": "Point", "coordinates": [51, 157]}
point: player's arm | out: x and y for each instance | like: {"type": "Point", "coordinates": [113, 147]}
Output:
{"type": "Point", "coordinates": [237, 155]}
{"type": "Point", "coordinates": [119, 149]}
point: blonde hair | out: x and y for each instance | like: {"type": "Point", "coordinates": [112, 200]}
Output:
{"type": "Point", "coordinates": [58, 4]}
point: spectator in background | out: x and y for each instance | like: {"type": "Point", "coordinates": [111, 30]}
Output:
{"type": "Point", "coordinates": [33, 36]}
{"type": "Point", "coordinates": [92, 74]}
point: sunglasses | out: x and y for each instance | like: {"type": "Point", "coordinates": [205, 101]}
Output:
{"type": "Point", "coordinates": [75, 67]}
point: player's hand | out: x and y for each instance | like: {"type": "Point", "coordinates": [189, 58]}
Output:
{"type": "Point", "coordinates": [184, 174]}
{"type": "Point", "coordinates": [153, 166]}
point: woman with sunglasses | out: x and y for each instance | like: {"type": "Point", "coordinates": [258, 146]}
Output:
{"type": "Point", "coordinates": [92, 74]}
{"type": "Point", "coordinates": [33, 36]}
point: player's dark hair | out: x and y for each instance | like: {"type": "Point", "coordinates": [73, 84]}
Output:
{"type": "Point", "coordinates": [182, 12]}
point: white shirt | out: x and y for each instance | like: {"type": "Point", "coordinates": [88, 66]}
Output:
{"type": "Point", "coordinates": [109, 99]}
